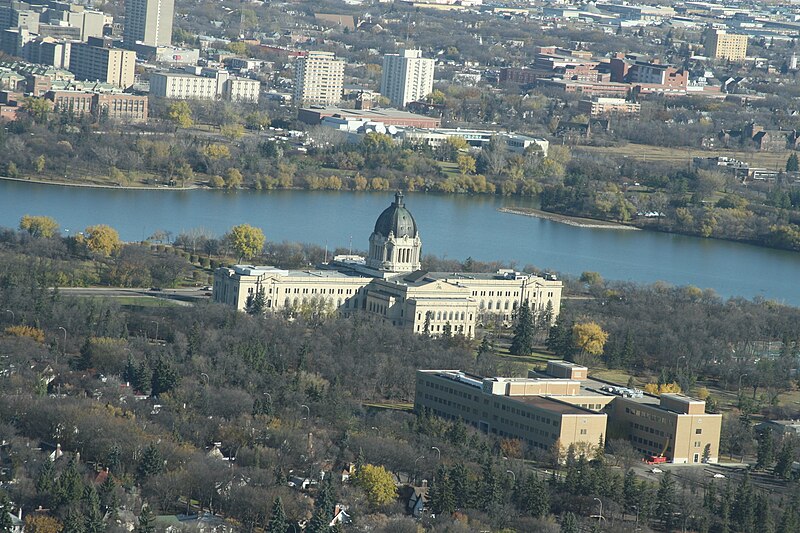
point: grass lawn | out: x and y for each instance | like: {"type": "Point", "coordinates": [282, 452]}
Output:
{"type": "Point", "coordinates": [144, 301]}
{"type": "Point", "coordinates": [451, 169]}
{"type": "Point", "coordinates": [769, 160]}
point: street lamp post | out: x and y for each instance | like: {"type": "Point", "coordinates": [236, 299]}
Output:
{"type": "Point", "coordinates": [601, 508]}
{"type": "Point", "coordinates": [415, 466]}
{"type": "Point", "coordinates": [64, 348]}
{"type": "Point", "coordinates": [308, 411]}
{"type": "Point", "coordinates": [438, 453]}
{"type": "Point", "coordinates": [156, 323]}
{"type": "Point", "coordinates": [268, 395]}
{"type": "Point", "coordinates": [739, 389]}
{"type": "Point", "coordinates": [204, 375]}
{"type": "Point", "coordinates": [677, 364]}
{"type": "Point", "coordinates": [513, 475]}
{"type": "Point", "coordinates": [13, 316]}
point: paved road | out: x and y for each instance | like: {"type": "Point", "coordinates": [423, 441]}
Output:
{"type": "Point", "coordinates": [181, 296]}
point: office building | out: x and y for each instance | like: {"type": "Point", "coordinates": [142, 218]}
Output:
{"type": "Point", "coordinates": [406, 77]}
{"type": "Point", "coordinates": [723, 45]}
{"type": "Point", "coordinates": [98, 60]}
{"type": "Point", "coordinates": [207, 85]}
{"type": "Point", "coordinates": [564, 405]}
{"type": "Point", "coordinates": [319, 79]}
{"type": "Point", "coordinates": [100, 106]}
{"type": "Point", "coordinates": [148, 22]}
{"type": "Point", "coordinates": [392, 286]}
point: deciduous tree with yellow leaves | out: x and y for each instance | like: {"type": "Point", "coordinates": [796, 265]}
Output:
{"type": "Point", "coordinates": [246, 240]}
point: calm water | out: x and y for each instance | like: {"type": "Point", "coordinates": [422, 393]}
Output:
{"type": "Point", "coordinates": [450, 226]}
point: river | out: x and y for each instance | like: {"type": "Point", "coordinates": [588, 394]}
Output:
{"type": "Point", "coordinates": [453, 226]}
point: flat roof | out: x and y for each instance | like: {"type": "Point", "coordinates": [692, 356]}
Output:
{"type": "Point", "coordinates": [374, 114]}
{"type": "Point", "coordinates": [552, 404]}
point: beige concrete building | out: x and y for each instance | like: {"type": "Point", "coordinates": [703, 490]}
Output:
{"type": "Point", "coordinates": [392, 286]}
{"type": "Point", "coordinates": [148, 22]}
{"type": "Point", "coordinates": [406, 77]}
{"type": "Point", "coordinates": [563, 404]}
{"type": "Point", "coordinates": [530, 409]}
{"type": "Point", "coordinates": [599, 106]}
{"type": "Point", "coordinates": [723, 45]}
{"type": "Point", "coordinates": [98, 61]}
{"type": "Point", "coordinates": [208, 86]}
{"type": "Point", "coordinates": [121, 107]}
{"type": "Point", "coordinates": [318, 79]}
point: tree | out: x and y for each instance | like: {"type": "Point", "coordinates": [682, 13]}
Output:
{"type": "Point", "coordinates": [102, 239]}
{"type": "Point", "coordinates": [792, 164]}
{"type": "Point", "coordinates": [442, 498]}
{"type": "Point", "coordinates": [535, 497]}
{"type": "Point", "coordinates": [165, 377]}
{"type": "Point", "coordinates": [92, 517]}
{"type": "Point", "coordinates": [180, 113]}
{"type": "Point", "coordinates": [665, 498]}
{"type": "Point", "coordinates": [6, 525]}
{"type": "Point", "coordinates": [466, 164]}
{"type": "Point", "coordinates": [277, 522]}
{"type": "Point", "coordinates": [591, 278]}
{"type": "Point", "coordinates": [232, 132]}
{"type": "Point", "coordinates": [246, 240]}
{"type": "Point", "coordinates": [589, 337]}
{"type": "Point", "coordinates": [39, 226]}
{"type": "Point", "coordinates": [38, 108]}
{"type": "Point", "coordinates": [146, 521]}
{"type": "Point", "coordinates": [766, 450]}
{"type": "Point", "coordinates": [257, 304]}
{"type": "Point", "coordinates": [522, 343]}
{"type": "Point", "coordinates": [109, 501]}
{"type": "Point", "coordinates": [378, 485]}
{"type": "Point", "coordinates": [233, 178]}
{"type": "Point", "coordinates": [783, 466]}
{"type": "Point", "coordinates": [569, 524]}
{"type": "Point", "coordinates": [150, 464]}
{"type": "Point", "coordinates": [73, 523]}
{"type": "Point", "coordinates": [37, 523]}
{"type": "Point", "coordinates": [38, 163]}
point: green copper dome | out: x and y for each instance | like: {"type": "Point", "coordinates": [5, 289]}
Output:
{"type": "Point", "coordinates": [396, 219]}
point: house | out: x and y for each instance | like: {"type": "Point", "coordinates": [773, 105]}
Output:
{"type": "Point", "coordinates": [300, 483]}
{"type": "Point", "coordinates": [340, 516]}
{"type": "Point", "coordinates": [198, 523]}
{"type": "Point", "coordinates": [17, 525]}
{"type": "Point", "coordinates": [347, 472]}
{"type": "Point", "coordinates": [417, 499]}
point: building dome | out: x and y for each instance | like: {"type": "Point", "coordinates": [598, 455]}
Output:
{"type": "Point", "coordinates": [396, 219]}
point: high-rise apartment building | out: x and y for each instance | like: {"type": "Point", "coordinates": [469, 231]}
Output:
{"type": "Point", "coordinates": [723, 45]}
{"type": "Point", "coordinates": [318, 79]}
{"type": "Point", "coordinates": [98, 61]}
{"type": "Point", "coordinates": [407, 77]}
{"type": "Point", "coordinates": [148, 22]}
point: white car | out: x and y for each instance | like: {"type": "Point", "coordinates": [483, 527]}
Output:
{"type": "Point", "coordinates": [719, 476]}
{"type": "Point", "coordinates": [656, 470]}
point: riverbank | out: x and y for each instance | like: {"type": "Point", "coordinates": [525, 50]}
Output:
{"type": "Point", "coordinates": [100, 185]}
{"type": "Point", "coordinates": [578, 222]}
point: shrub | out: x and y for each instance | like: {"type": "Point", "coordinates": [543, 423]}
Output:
{"type": "Point", "coordinates": [26, 331]}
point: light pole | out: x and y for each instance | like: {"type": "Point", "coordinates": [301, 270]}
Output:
{"type": "Point", "coordinates": [513, 475]}
{"type": "Point", "coordinates": [13, 316]}
{"type": "Point", "coordinates": [739, 389]}
{"type": "Point", "coordinates": [677, 364]}
{"type": "Point", "coordinates": [268, 395]}
{"type": "Point", "coordinates": [156, 323]}
{"type": "Point", "coordinates": [204, 375]}
{"type": "Point", "coordinates": [601, 508]}
{"type": "Point", "coordinates": [307, 410]}
{"type": "Point", "coordinates": [438, 453]}
{"type": "Point", "coordinates": [415, 466]}
{"type": "Point", "coordinates": [64, 348]}
{"type": "Point", "coordinates": [636, 527]}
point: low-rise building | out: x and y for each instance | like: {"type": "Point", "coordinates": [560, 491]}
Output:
{"type": "Point", "coordinates": [563, 405]}
{"type": "Point", "coordinates": [390, 117]}
{"type": "Point", "coordinates": [599, 106]}
{"type": "Point", "coordinates": [208, 85]}
{"type": "Point", "coordinates": [101, 106]}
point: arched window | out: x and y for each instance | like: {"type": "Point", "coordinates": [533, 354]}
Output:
{"type": "Point", "coordinates": [462, 315]}
{"type": "Point", "coordinates": [451, 315]}
{"type": "Point", "coordinates": [286, 302]}
{"type": "Point", "coordinates": [506, 306]}
{"type": "Point", "coordinates": [439, 315]}
{"type": "Point", "coordinates": [489, 305]}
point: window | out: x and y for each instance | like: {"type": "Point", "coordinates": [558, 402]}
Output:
{"type": "Point", "coordinates": [698, 431]}
{"type": "Point", "coordinates": [583, 432]}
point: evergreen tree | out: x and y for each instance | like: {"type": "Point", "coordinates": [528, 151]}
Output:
{"type": "Point", "coordinates": [569, 524]}
{"type": "Point", "coordinates": [630, 490]}
{"type": "Point", "coordinates": [460, 483]}
{"type": "Point", "coordinates": [763, 514]}
{"type": "Point", "coordinates": [743, 512]}
{"type": "Point", "coordinates": [5, 513]}
{"type": "Point", "coordinates": [361, 460]}
{"type": "Point", "coordinates": [665, 497]}
{"type": "Point", "coordinates": [109, 501]}
{"type": "Point", "coordinates": [484, 347]}
{"type": "Point", "coordinates": [792, 164]}
{"type": "Point", "coordinates": [783, 466]}
{"type": "Point", "coordinates": [165, 377]}
{"type": "Point", "coordinates": [535, 497]}
{"type": "Point", "coordinates": [69, 487]}
{"type": "Point", "coordinates": [150, 464]}
{"type": "Point", "coordinates": [789, 522]}
{"type": "Point", "coordinates": [92, 517]}
{"type": "Point", "coordinates": [559, 340]}
{"type": "Point", "coordinates": [257, 305]}
{"type": "Point", "coordinates": [490, 487]}
{"type": "Point", "coordinates": [766, 450]}
{"type": "Point", "coordinates": [73, 523]}
{"type": "Point", "coordinates": [147, 521]}
{"type": "Point", "coordinates": [442, 499]}
{"type": "Point", "coordinates": [84, 362]}
{"type": "Point", "coordinates": [114, 458]}
{"type": "Point", "coordinates": [522, 343]}
{"type": "Point", "coordinates": [277, 522]}
{"type": "Point", "coordinates": [44, 478]}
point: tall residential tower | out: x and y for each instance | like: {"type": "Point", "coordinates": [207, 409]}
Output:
{"type": "Point", "coordinates": [319, 79]}
{"type": "Point", "coordinates": [148, 22]}
{"type": "Point", "coordinates": [407, 77]}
